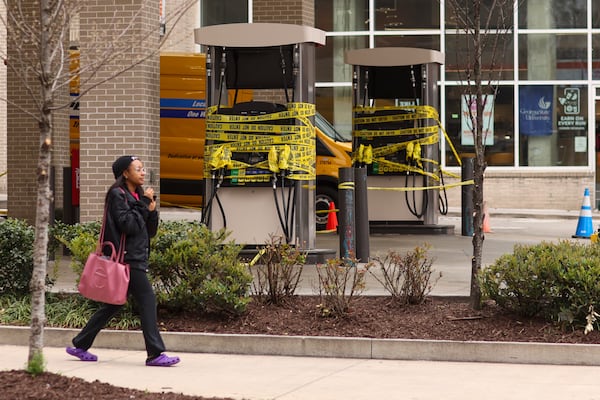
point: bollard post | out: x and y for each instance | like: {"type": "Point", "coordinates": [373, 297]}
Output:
{"type": "Point", "coordinates": [346, 215]}
{"type": "Point", "coordinates": [467, 197]}
{"type": "Point", "coordinates": [361, 216]}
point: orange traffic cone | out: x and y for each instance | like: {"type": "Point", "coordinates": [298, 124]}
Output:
{"type": "Point", "coordinates": [332, 221]}
{"type": "Point", "coordinates": [486, 219]}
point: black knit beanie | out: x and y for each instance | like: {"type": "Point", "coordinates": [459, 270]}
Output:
{"type": "Point", "coordinates": [121, 164]}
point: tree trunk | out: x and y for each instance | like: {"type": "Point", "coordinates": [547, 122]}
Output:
{"type": "Point", "coordinates": [475, 295]}
{"type": "Point", "coordinates": [42, 218]}
{"type": "Point", "coordinates": [40, 245]}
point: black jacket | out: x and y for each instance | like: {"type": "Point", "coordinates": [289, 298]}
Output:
{"type": "Point", "coordinates": [131, 217]}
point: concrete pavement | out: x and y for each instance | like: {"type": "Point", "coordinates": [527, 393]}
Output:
{"type": "Point", "coordinates": [345, 368]}
{"type": "Point", "coordinates": [309, 378]}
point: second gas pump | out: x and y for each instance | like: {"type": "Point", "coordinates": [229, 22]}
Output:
{"type": "Point", "coordinates": [260, 154]}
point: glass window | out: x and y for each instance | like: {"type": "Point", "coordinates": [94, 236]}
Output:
{"type": "Point", "coordinates": [224, 12]}
{"type": "Point", "coordinates": [342, 15]}
{"type": "Point", "coordinates": [330, 58]}
{"type": "Point", "coordinates": [553, 123]}
{"type": "Point", "coordinates": [335, 104]}
{"type": "Point", "coordinates": [547, 56]}
{"type": "Point", "coordinates": [497, 57]}
{"type": "Point", "coordinates": [423, 42]}
{"type": "Point", "coordinates": [552, 14]}
{"type": "Point", "coordinates": [596, 57]}
{"type": "Point", "coordinates": [458, 12]}
{"type": "Point", "coordinates": [393, 15]}
{"type": "Point", "coordinates": [596, 14]}
{"type": "Point", "coordinates": [497, 121]}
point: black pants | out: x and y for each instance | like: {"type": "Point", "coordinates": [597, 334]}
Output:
{"type": "Point", "coordinates": [141, 290]}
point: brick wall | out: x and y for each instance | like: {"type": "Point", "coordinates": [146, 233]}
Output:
{"type": "Point", "coordinates": [182, 18]}
{"type": "Point", "coordinates": [3, 165]}
{"type": "Point", "coordinates": [22, 131]}
{"type": "Point", "coordinates": [120, 116]}
{"type": "Point", "coordinates": [300, 12]}
{"type": "Point", "coordinates": [532, 190]}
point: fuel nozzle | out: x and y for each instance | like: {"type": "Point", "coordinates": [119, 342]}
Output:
{"type": "Point", "coordinates": [284, 158]}
{"type": "Point", "coordinates": [273, 159]}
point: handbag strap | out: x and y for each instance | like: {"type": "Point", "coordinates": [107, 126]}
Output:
{"type": "Point", "coordinates": [121, 252]}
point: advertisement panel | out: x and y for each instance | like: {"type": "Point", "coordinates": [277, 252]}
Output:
{"type": "Point", "coordinates": [468, 116]}
{"type": "Point", "coordinates": [535, 112]}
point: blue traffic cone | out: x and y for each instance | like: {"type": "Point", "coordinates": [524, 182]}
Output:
{"type": "Point", "coordinates": [585, 227]}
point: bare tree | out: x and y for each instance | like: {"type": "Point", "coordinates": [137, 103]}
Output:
{"type": "Point", "coordinates": [482, 26]}
{"type": "Point", "coordinates": [38, 30]}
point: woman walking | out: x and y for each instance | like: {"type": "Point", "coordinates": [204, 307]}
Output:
{"type": "Point", "coordinates": [130, 210]}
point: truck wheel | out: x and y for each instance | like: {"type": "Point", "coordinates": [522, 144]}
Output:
{"type": "Point", "coordinates": [325, 195]}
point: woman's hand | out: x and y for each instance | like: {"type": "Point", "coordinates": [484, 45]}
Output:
{"type": "Point", "coordinates": [149, 193]}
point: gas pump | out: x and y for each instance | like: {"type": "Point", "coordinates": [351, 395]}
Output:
{"type": "Point", "coordinates": [260, 155]}
{"type": "Point", "coordinates": [396, 133]}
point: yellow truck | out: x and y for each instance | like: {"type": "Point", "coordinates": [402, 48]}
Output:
{"type": "Point", "coordinates": [182, 138]}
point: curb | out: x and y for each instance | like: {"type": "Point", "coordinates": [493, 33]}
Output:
{"type": "Point", "coordinates": [321, 346]}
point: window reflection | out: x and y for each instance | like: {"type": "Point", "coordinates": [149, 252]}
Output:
{"type": "Point", "coordinates": [497, 57]}
{"type": "Point", "coordinates": [342, 15]}
{"type": "Point", "coordinates": [498, 117]}
{"type": "Point", "coordinates": [335, 104]}
{"type": "Point", "coordinates": [423, 42]}
{"type": "Point", "coordinates": [547, 56]}
{"type": "Point", "coordinates": [224, 12]}
{"type": "Point", "coordinates": [458, 12]}
{"type": "Point", "coordinates": [393, 15]}
{"type": "Point", "coordinates": [330, 58]}
{"type": "Point", "coordinates": [552, 14]}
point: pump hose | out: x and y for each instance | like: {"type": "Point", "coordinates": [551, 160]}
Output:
{"type": "Point", "coordinates": [412, 206]}
{"type": "Point", "coordinates": [279, 212]}
{"type": "Point", "coordinates": [207, 212]}
{"type": "Point", "coordinates": [443, 202]}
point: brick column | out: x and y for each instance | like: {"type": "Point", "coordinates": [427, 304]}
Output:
{"type": "Point", "coordinates": [299, 12]}
{"type": "Point", "coordinates": [22, 131]}
{"type": "Point", "coordinates": [2, 103]}
{"type": "Point", "coordinates": [121, 116]}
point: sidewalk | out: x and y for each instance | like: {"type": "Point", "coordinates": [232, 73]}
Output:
{"type": "Point", "coordinates": [310, 378]}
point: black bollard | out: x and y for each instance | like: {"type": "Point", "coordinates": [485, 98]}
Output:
{"type": "Point", "coordinates": [362, 214]}
{"type": "Point", "coordinates": [346, 214]}
{"type": "Point", "coordinates": [467, 197]}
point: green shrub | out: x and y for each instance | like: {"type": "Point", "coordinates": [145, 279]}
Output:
{"type": "Point", "coordinates": [557, 281]}
{"type": "Point", "coordinates": [194, 268]}
{"type": "Point", "coordinates": [16, 256]}
{"type": "Point", "coordinates": [407, 277]}
{"type": "Point", "coordinates": [341, 281]}
{"type": "Point", "coordinates": [277, 270]}
{"type": "Point", "coordinates": [80, 239]}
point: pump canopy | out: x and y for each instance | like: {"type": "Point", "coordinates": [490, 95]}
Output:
{"type": "Point", "coordinates": [258, 35]}
{"type": "Point", "coordinates": [393, 57]}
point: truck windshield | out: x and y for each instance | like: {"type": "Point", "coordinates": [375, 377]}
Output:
{"type": "Point", "coordinates": [328, 129]}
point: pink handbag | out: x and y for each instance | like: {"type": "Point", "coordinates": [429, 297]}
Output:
{"type": "Point", "coordinates": [105, 279]}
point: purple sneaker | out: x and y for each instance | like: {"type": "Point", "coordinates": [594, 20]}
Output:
{"type": "Point", "coordinates": [162, 360]}
{"type": "Point", "coordinates": [83, 355]}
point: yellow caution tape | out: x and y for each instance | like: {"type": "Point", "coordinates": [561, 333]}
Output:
{"type": "Point", "coordinates": [346, 186]}
{"type": "Point", "coordinates": [287, 147]}
{"type": "Point", "coordinates": [273, 156]}
{"type": "Point", "coordinates": [412, 189]}
{"type": "Point", "coordinates": [426, 135]}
